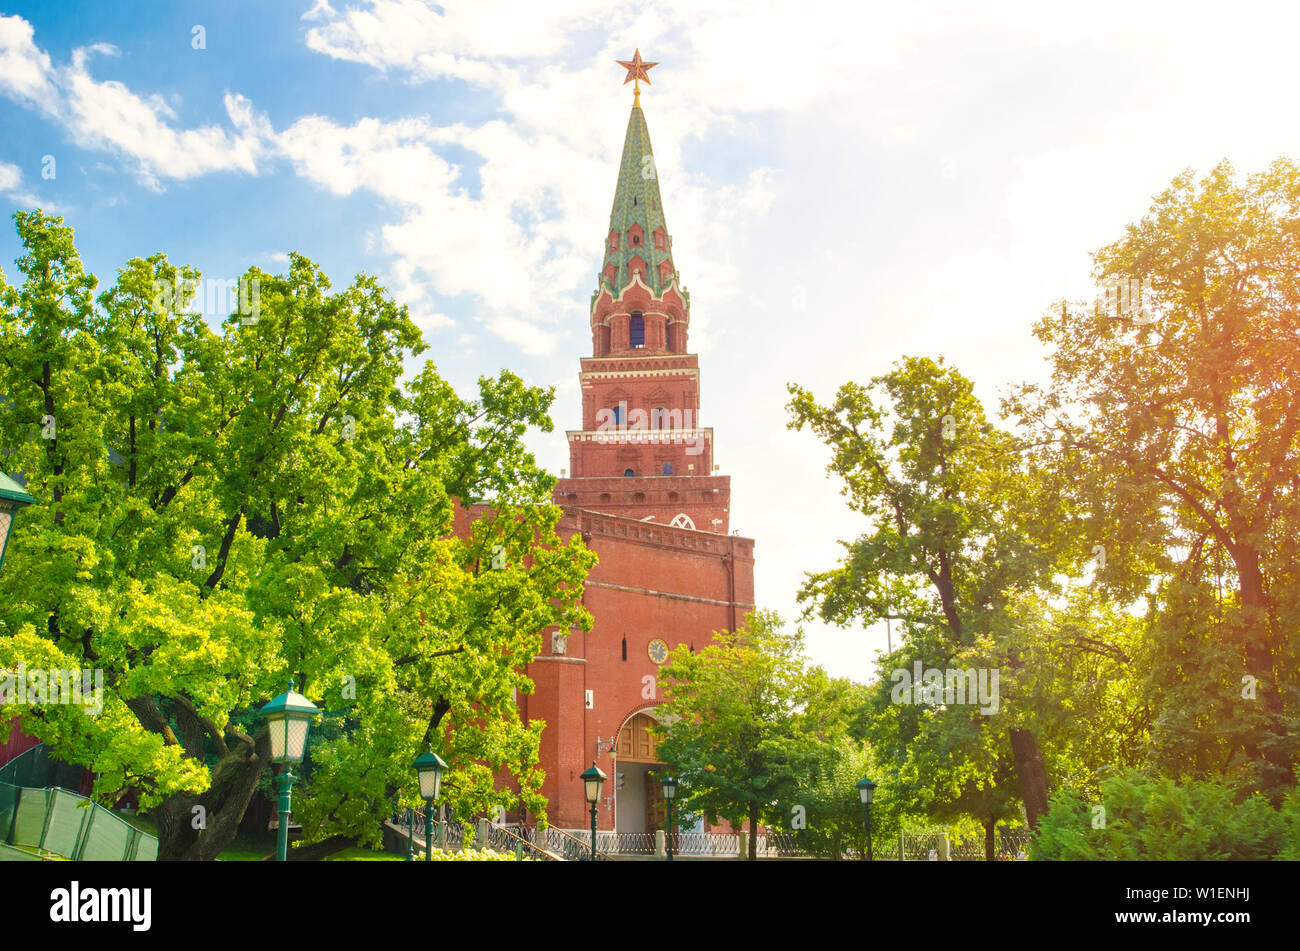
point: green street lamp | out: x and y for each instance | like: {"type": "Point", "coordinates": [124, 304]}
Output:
{"type": "Point", "coordinates": [592, 780]}
{"type": "Point", "coordinates": [429, 767]}
{"type": "Point", "coordinates": [670, 793]}
{"type": "Point", "coordinates": [288, 718]}
{"type": "Point", "coordinates": [12, 498]}
{"type": "Point", "coordinates": [866, 792]}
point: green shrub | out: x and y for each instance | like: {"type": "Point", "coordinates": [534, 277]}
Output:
{"type": "Point", "coordinates": [1154, 818]}
{"type": "Point", "coordinates": [1291, 826]}
{"type": "Point", "coordinates": [471, 855]}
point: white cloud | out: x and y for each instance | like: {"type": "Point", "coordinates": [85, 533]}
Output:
{"type": "Point", "coordinates": [11, 177]}
{"type": "Point", "coordinates": [523, 248]}
{"type": "Point", "coordinates": [107, 115]}
{"type": "Point", "coordinates": [11, 186]}
{"type": "Point", "coordinates": [453, 40]}
{"type": "Point", "coordinates": [25, 71]}
{"type": "Point", "coordinates": [319, 10]}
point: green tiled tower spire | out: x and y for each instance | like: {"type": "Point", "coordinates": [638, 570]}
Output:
{"type": "Point", "coordinates": [637, 203]}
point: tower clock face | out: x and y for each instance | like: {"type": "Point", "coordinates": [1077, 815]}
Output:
{"type": "Point", "coordinates": [658, 650]}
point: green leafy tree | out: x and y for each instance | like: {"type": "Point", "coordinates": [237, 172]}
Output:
{"type": "Point", "coordinates": [1080, 685]}
{"type": "Point", "coordinates": [829, 755]}
{"type": "Point", "coordinates": [218, 511]}
{"type": "Point", "coordinates": [961, 519]}
{"type": "Point", "coordinates": [737, 721]}
{"type": "Point", "coordinates": [827, 792]}
{"type": "Point", "coordinates": [1176, 417]}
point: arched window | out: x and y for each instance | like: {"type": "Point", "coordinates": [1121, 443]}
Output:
{"type": "Point", "coordinates": [668, 468]}
{"type": "Point", "coordinates": [628, 473]}
{"type": "Point", "coordinates": [618, 413]}
{"type": "Point", "coordinates": [636, 331]}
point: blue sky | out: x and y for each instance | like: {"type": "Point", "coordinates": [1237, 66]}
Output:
{"type": "Point", "coordinates": [845, 183]}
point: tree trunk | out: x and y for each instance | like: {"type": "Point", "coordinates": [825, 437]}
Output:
{"type": "Point", "coordinates": [1262, 743]}
{"type": "Point", "coordinates": [1259, 648]}
{"type": "Point", "coordinates": [320, 850]}
{"type": "Point", "coordinates": [198, 828]}
{"type": "Point", "coordinates": [753, 831]}
{"type": "Point", "coordinates": [990, 838]}
{"type": "Point", "coordinates": [1032, 774]}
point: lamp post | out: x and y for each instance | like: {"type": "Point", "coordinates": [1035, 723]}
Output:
{"type": "Point", "coordinates": [288, 718]}
{"type": "Point", "coordinates": [410, 835]}
{"type": "Point", "coordinates": [12, 498]}
{"type": "Point", "coordinates": [593, 779]}
{"type": "Point", "coordinates": [429, 767]}
{"type": "Point", "coordinates": [670, 793]}
{"type": "Point", "coordinates": [867, 790]}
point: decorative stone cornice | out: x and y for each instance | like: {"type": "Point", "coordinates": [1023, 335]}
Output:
{"type": "Point", "coordinates": [652, 533]}
{"type": "Point", "coordinates": [638, 436]}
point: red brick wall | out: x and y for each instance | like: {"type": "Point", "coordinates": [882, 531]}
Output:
{"type": "Point", "coordinates": [673, 584]}
{"type": "Point", "coordinates": [16, 743]}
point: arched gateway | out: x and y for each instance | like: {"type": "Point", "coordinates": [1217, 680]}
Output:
{"type": "Point", "coordinates": [638, 799]}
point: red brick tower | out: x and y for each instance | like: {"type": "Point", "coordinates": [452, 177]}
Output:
{"type": "Point", "coordinates": [642, 493]}
{"type": "Point", "coordinates": [642, 451]}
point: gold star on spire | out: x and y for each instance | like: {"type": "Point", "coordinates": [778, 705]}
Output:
{"type": "Point", "coordinates": [637, 70]}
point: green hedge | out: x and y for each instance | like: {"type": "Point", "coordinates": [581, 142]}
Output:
{"type": "Point", "coordinates": [1153, 817]}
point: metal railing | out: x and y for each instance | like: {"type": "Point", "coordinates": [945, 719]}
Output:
{"type": "Point", "coordinates": [551, 844]}
{"type": "Point", "coordinates": [924, 847]}
{"type": "Point", "coordinates": [781, 845]}
{"type": "Point", "coordinates": [1008, 846]}
{"type": "Point", "coordinates": [706, 843]}
{"type": "Point", "coordinates": [451, 835]}
{"type": "Point", "coordinates": [411, 820]}
{"type": "Point", "coordinates": [628, 843]}
{"type": "Point", "coordinates": [575, 845]}
{"type": "Point", "coordinates": [916, 848]}
{"type": "Point", "coordinates": [503, 839]}
{"type": "Point", "coordinates": [446, 834]}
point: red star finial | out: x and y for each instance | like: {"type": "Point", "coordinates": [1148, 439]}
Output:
{"type": "Point", "coordinates": [636, 70]}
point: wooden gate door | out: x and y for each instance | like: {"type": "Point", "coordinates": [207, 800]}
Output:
{"type": "Point", "coordinates": [656, 810]}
